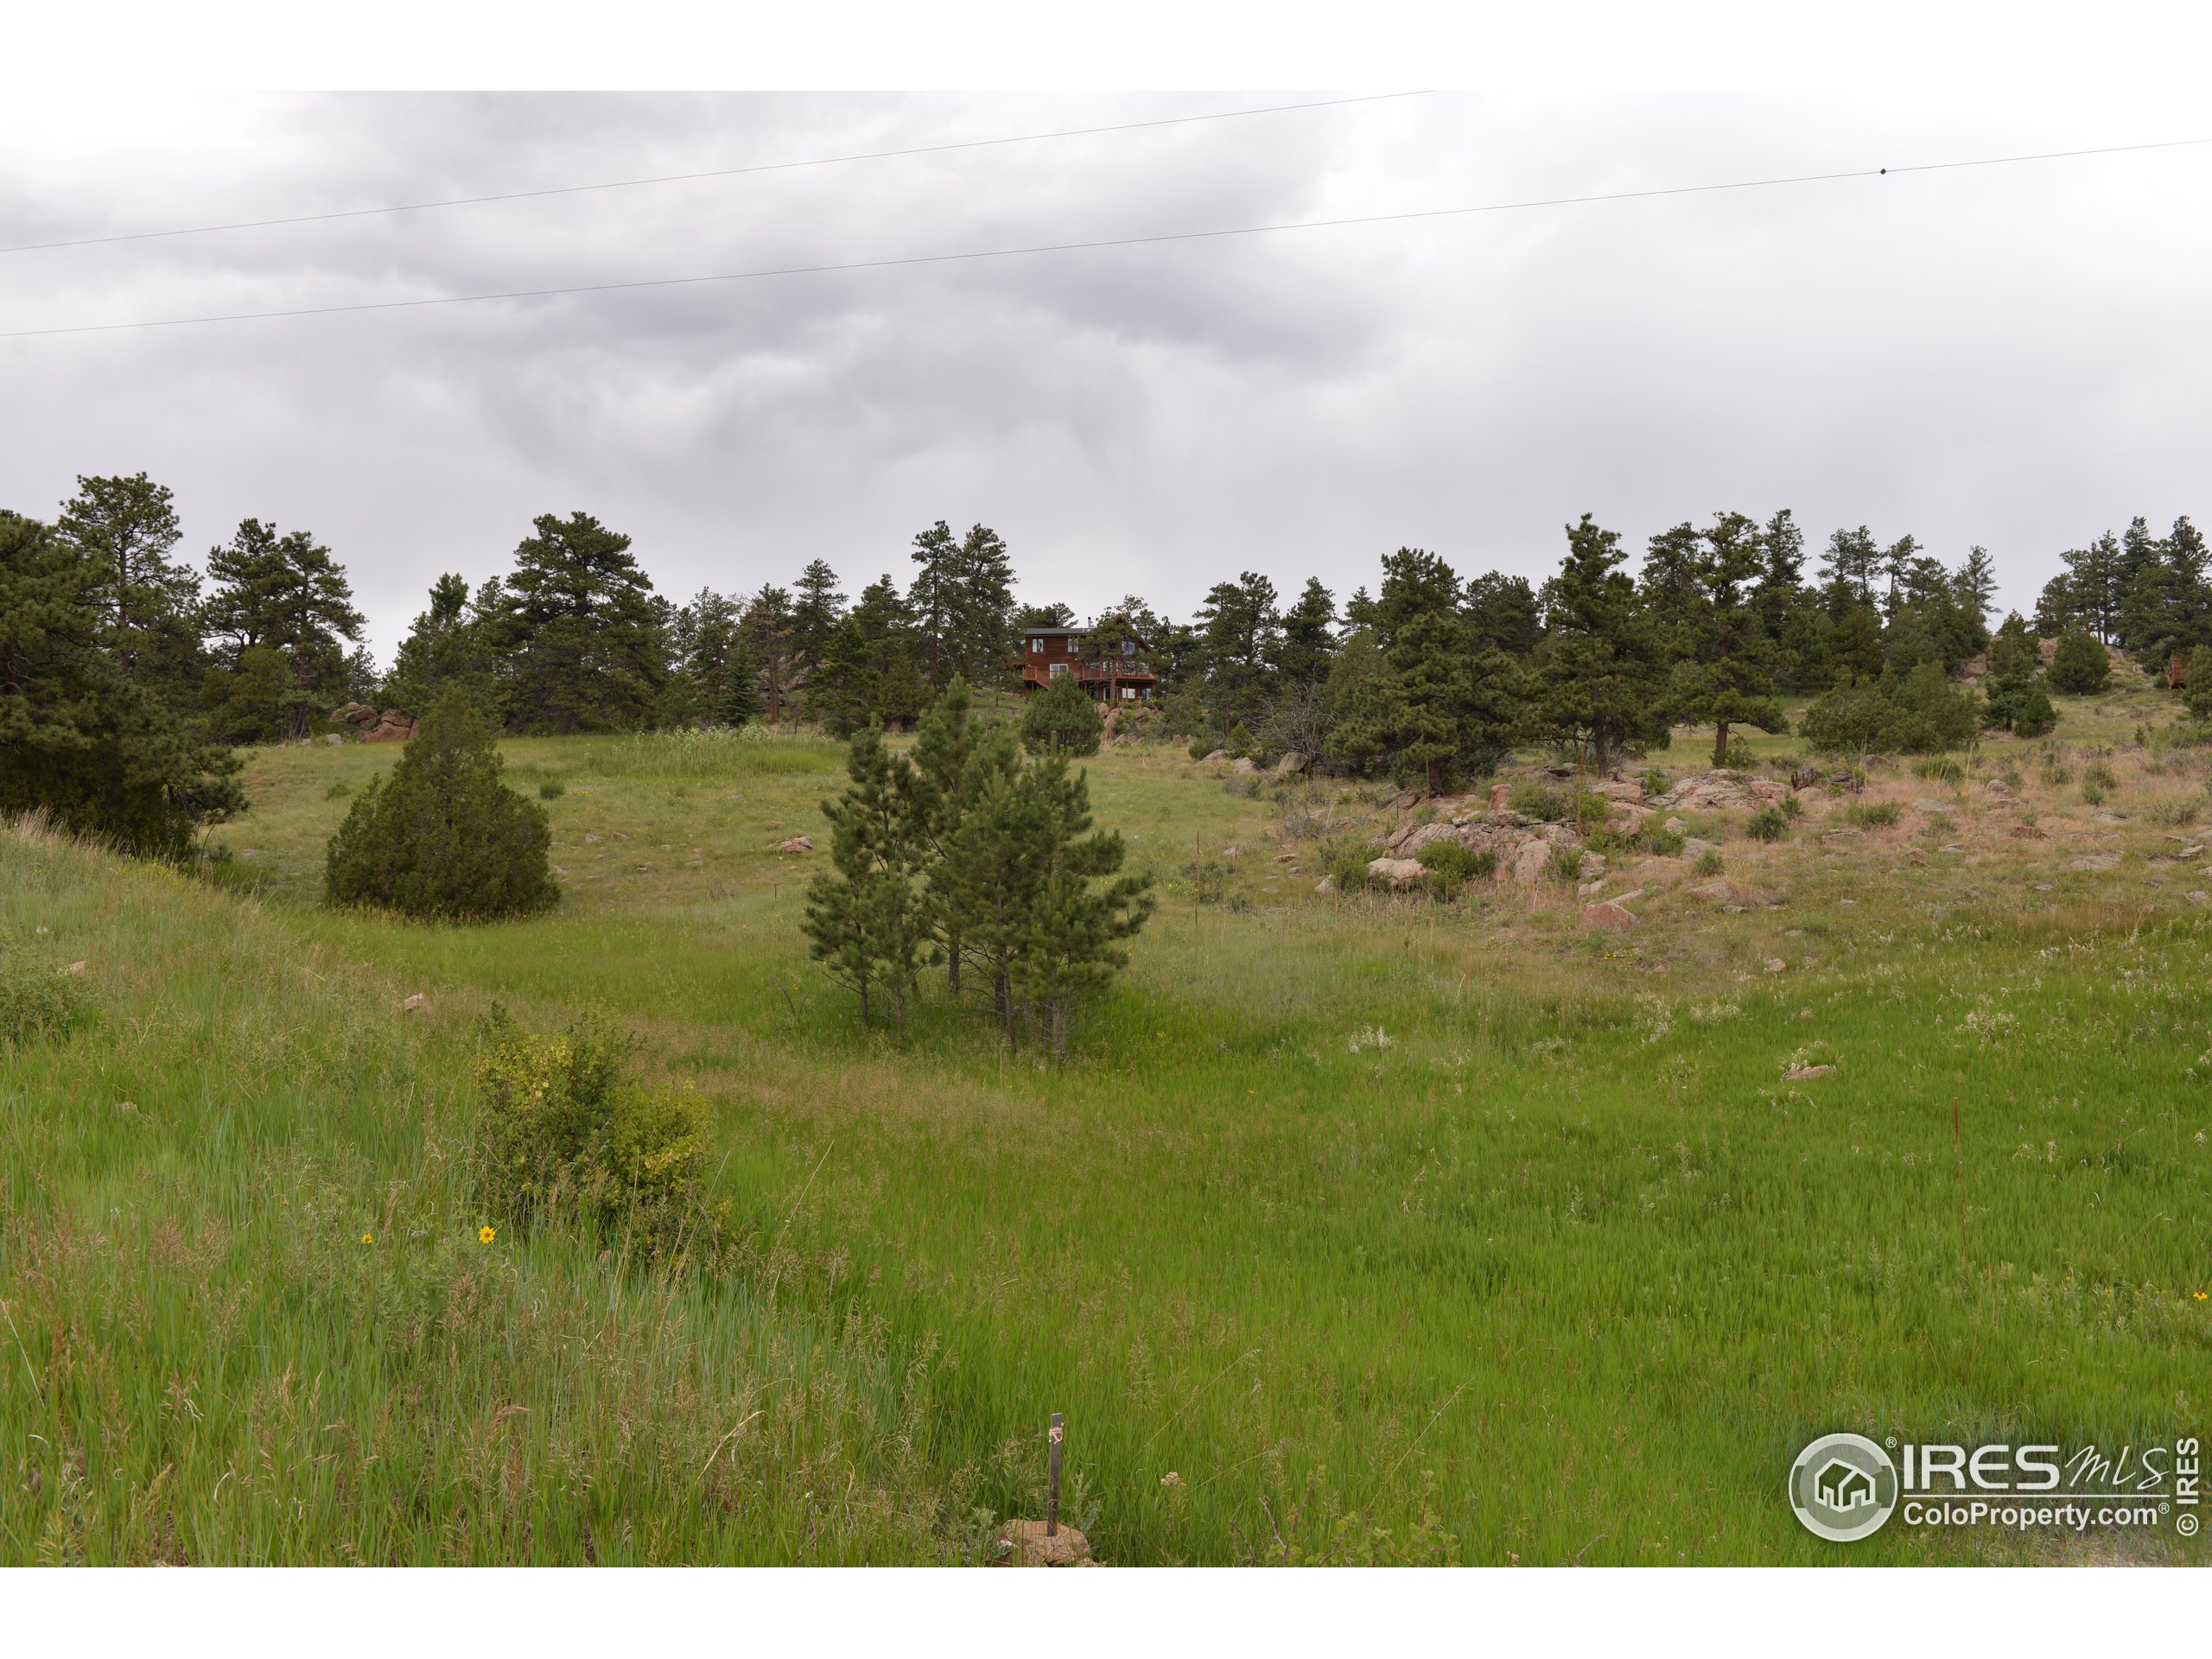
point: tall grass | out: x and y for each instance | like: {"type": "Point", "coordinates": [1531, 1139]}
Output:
{"type": "Point", "coordinates": [1388, 1236]}
{"type": "Point", "coordinates": [715, 752]}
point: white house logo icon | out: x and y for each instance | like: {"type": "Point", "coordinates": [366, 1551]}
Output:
{"type": "Point", "coordinates": [1843, 1487]}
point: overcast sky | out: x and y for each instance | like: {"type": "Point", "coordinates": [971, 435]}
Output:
{"type": "Point", "coordinates": [2013, 356]}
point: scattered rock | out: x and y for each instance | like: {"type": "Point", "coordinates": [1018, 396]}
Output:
{"type": "Point", "coordinates": [1400, 873]}
{"type": "Point", "coordinates": [1023, 1543]}
{"type": "Point", "coordinates": [591, 841]}
{"type": "Point", "coordinates": [1624, 791]}
{"type": "Point", "coordinates": [417, 1003]}
{"type": "Point", "coordinates": [2106, 817]}
{"type": "Point", "coordinates": [1219, 754]}
{"type": "Point", "coordinates": [1529, 863]}
{"type": "Point", "coordinates": [333, 737]}
{"type": "Point", "coordinates": [1848, 833]}
{"type": "Point", "coordinates": [1996, 786]}
{"type": "Point", "coordinates": [2026, 832]}
{"type": "Point", "coordinates": [76, 968]}
{"type": "Point", "coordinates": [1673, 826]}
{"type": "Point", "coordinates": [1713, 893]}
{"type": "Point", "coordinates": [1806, 1073]}
{"type": "Point", "coordinates": [1694, 849]}
{"type": "Point", "coordinates": [1658, 869]}
{"type": "Point", "coordinates": [1286, 858]}
{"type": "Point", "coordinates": [1326, 884]}
{"type": "Point", "coordinates": [1804, 777]}
{"type": "Point", "coordinates": [1775, 964]}
{"type": "Point", "coordinates": [1293, 761]}
{"type": "Point", "coordinates": [1593, 865]}
{"type": "Point", "coordinates": [355, 714]}
{"type": "Point", "coordinates": [1721, 791]}
{"type": "Point", "coordinates": [1501, 796]}
{"type": "Point", "coordinates": [2189, 852]}
{"type": "Point", "coordinates": [1924, 804]}
{"type": "Point", "coordinates": [2096, 861]}
{"type": "Point", "coordinates": [1606, 914]}
{"type": "Point", "coordinates": [795, 844]}
{"type": "Point", "coordinates": [1242, 763]}
{"type": "Point", "coordinates": [128, 1108]}
{"type": "Point", "coordinates": [393, 726]}
{"type": "Point", "coordinates": [2040, 886]}
{"type": "Point", "coordinates": [2198, 896]}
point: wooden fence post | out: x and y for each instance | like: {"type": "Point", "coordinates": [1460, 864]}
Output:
{"type": "Point", "coordinates": [1053, 1478]}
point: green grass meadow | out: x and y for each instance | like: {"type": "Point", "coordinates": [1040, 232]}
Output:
{"type": "Point", "coordinates": [1355, 1230]}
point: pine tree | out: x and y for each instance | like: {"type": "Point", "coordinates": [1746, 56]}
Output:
{"type": "Point", "coordinates": [284, 594]}
{"type": "Point", "coordinates": [444, 648]}
{"type": "Point", "coordinates": [1723, 672]}
{"type": "Point", "coordinates": [934, 600]}
{"type": "Point", "coordinates": [1062, 719]}
{"type": "Point", "coordinates": [584, 649]}
{"type": "Point", "coordinates": [80, 740]}
{"type": "Point", "coordinates": [1242, 633]}
{"type": "Point", "coordinates": [146, 604]}
{"type": "Point", "coordinates": [443, 837]}
{"type": "Point", "coordinates": [1602, 677]}
{"type": "Point", "coordinates": [2080, 667]}
{"type": "Point", "coordinates": [960, 765]}
{"type": "Point", "coordinates": [1073, 933]}
{"type": "Point", "coordinates": [816, 606]}
{"type": "Point", "coordinates": [982, 610]}
{"type": "Point", "coordinates": [864, 919]}
{"type": "Point", "coordinates": [1502, 614]}
{"type": "Point", "coordinates": [740, 701]}
{"type": "Point", "coordinates": [766, 625]}
{"type": "Point", "coordinates": [2017, 699]}
{"type": "Point", "coordinates": [1308, 636]}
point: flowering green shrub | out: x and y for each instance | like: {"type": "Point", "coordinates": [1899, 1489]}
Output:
{"type": "Point", "coordinates": [562, 1131]}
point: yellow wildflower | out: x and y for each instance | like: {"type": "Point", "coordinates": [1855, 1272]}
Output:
{"type": "Point", "coordinates": [485, 1235]}
{"type": "Point", "coordinates": [366, 1239]}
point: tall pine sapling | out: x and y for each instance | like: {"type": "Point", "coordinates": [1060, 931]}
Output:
{"type": "Point", "coordinates": [1073, 933]}
{"type": "Point", "coordinates": [864, 920]}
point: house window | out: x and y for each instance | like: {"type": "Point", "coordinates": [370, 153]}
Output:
{"type": "Point", "coordinates": [1128, 647]}
{"type": "Point", "coordinates": [1036, 647]}
{"type": "Point", "coordinates": [1059, 669]}
{"type": "Point", "coordinates": [1128, 694]}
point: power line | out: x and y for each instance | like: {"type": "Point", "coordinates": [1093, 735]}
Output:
{"type": "Point", "coordinates": [715, 173]}
{"type": "Point", "coordinates": [1098, 243]}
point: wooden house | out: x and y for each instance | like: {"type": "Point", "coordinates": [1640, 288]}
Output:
{"type": "Point", "coordinates": [1108, 661]}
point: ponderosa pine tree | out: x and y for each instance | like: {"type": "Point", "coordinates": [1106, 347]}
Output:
{"type": "Point", "coordinates": [146, 604]}
{"type": "Point", "coordinates": [286, 596]}
{"type": "Point", "coordinates": [1723, 668]}
{"type": "Point", "coordinates": [816, 606]}
{"type": "Point", "coordinates": [582, 645]}
{"type": "Point", "coordinates": [2017, 701]}
{"type": "Point", "coordinates": [2080, 667]}
{"type": "Point", "coordinates": [1062, 719]}
{"type": "Point", "coordinates": [864, 916]}
{"type": "Point", "coordinates": [442, 838]}
{"type": "Point", "coordinates": [739, 700]}
{"type": "Point", "coordinates": [445, 648]}
{"type": "Point", "coordinates": [961, 766]}
{"type": "Point", "coordinates": [982, 610]}
{"type": "Point", "coordinates": [1073, 936]}
{"type": "Point", "coordinates": [1601, 679]}
{"type": "Point", "coordinates": [103, 755]}
{"type": "Point", "coordinates": [1309, 637]}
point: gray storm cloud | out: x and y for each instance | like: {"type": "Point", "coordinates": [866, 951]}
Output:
{"type": "Point", "coordinates": [2010, 356]}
